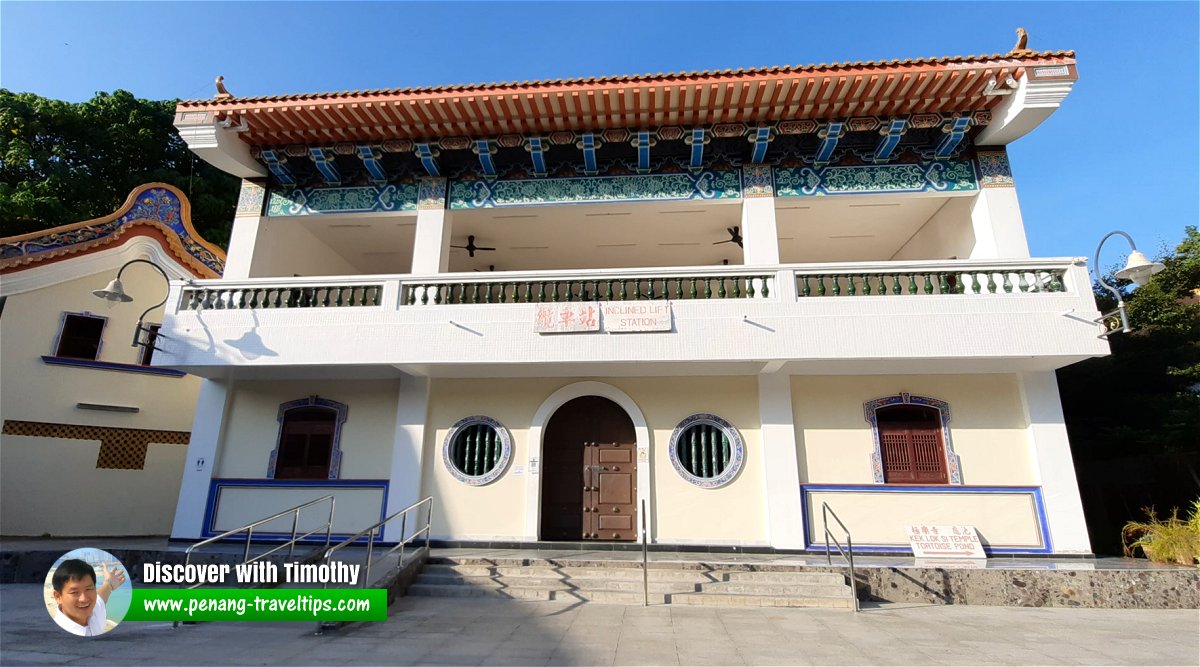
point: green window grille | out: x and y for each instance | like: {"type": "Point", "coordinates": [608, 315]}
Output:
{"type": "Point", "coordinates": [477, 450]}
{"type": "Point", "coordinates": [706, 450]}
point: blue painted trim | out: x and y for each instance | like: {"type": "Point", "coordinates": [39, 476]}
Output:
{"type": "Point", "coordinates": [324, 163]}
{"type": "Point", "coordinates": [889, 142]}
{"type": "Point", "coordinates": [275, 163]}
{"type": "Point", "coordinates": [697, 148]}
{"type": "Point", "coordinates": [833, 132]}
{"type": "Point", "coordinates": [110, 366]}
{"type": "Point", "coordinates": [643, 151]}
{"type": "Point", "coordinates": [762, 138]}
{"type": "Point", "coordinates": [425, 153]}
{"type": "Point", "coordinates": [955, 133]}
{"type": "Point", "coordinates": [483, 149]}
{"type": "Point", "coordinates": [1034, 491]}
{"type": "Point", "coordinates": [215, 485]}
{"type": "Point", "coordinates": [588, 144]}
{"type": "Point", "coordinates": [371, 160]}
{"type": "Point", "coordinates": [536, 154]}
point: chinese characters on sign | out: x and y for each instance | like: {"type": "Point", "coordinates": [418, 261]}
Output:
{"type": "Point", "coordinates": [566, 318]}
{"type": "Point", "coordinates": [945, 542]}
{"type": "Point", "coordinates": [618, 317]}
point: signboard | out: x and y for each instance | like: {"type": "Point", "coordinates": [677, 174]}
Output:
{"type": "Point", "coordinates": [945, 542]}
{"type": "Point", "coordinates": [629, 316]}
{"type": "Point", "coordinates": [566, 318]}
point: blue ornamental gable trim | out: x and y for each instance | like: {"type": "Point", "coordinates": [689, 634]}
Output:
{"type": "Point", "coordinates": [361, 199]}
{"type": "Point", "coordinates": [1044, 546]}
{"type": "Point", "coordinates": [481, 193]}
{"type": "Point", "coordinates": [160, 206]}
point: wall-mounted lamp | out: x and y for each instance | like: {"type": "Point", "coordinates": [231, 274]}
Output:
{"type": "Point", "coordinates": [1138, 269]}
{"type": "Point", "coordinates": [115, 292]}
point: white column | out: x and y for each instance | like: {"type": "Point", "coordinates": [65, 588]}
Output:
{"type": "Point", "coordinates": [243, 239]}
{"type": "Point", "coordinates": [785, 523]}
{"type": "Point", "coordinates": [431, 246]}
{"type": "Point", "coordinates": [760, 236]}
{"type": "Point", "coordinates": [999, 229]}
{"type": "Point", "coordinates": [408, 447]}
{"type": "Point", "coordinates": [202, 451]}
{"type": "Point", "coordinates": [1052, 463]}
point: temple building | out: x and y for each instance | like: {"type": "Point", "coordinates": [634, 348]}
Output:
{"type": "Point", "coordinates": [94, 429]}
{"type": "Point", "coordinates": [715, 302]}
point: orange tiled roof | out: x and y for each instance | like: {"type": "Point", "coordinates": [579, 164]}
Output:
{"type": "Point", "coordinates": [755, 95]}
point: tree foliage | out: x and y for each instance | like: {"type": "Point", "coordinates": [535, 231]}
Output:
{"type": "Point", "coordinates": [63, 162]}
{"type": "Point", "coordinates": [1134, 417]}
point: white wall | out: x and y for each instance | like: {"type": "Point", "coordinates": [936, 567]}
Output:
{"type": "Point", "coordinates": [946, 235]}
{"type": "Point", "coordinates": [281, 247]}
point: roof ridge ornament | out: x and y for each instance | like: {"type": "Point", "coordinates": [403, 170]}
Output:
{"type": "Point", "coordinates": [222, 93]}
{"type": "Point", "coordinates": [1021, 47]}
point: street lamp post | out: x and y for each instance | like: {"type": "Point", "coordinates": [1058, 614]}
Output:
{"type": "Point", "coordinates": [1137, 269]}
{"type": "Point", "coordinates": [115, 292]}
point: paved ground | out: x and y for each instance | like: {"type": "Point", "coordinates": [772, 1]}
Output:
{"type": "Point", "coordinates": [444, 631]}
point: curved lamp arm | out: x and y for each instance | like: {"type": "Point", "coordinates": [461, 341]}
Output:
{"type": "Point", "coordinates": [1100, 278]}
{"type": "Point", "coordinates": [139, 327]}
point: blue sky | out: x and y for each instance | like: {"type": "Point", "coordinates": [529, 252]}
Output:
{"type": "Point", "coordinates": [1120, 154]}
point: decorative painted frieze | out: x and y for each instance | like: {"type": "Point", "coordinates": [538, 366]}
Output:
{"type": "Point", "coordinates": [994, 169]}
{"type": "Point", "coordinates": [480, 193]}
{"type": "Point", "coordinates": [360, 199]}
{"type": "Point", "coordinates": [250, 198]}
{"type": "Point", "coordinates": [944, 176]}
{"type": "Point", "coordinates": [757, 181]}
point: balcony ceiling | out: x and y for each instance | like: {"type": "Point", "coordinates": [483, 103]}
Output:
{"type": "Point", "coordinates": [829, 229]}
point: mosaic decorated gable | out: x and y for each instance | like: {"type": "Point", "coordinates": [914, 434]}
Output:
{"type": "Point", "coordinates": [487, 193]}
{"type": "Point", "coordinates": [156, 204]}
{"type": "Point", "coordinates": [365, 199]}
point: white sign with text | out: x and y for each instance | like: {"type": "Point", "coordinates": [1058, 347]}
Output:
{"type": "Point", "coordinates": [627, 316]}
{"type": "Point", "coordinates": [945, 542]}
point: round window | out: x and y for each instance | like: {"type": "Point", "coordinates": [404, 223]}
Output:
{"type": "Point", "coordinates": [477, 449]}
{"type": "Point", "coordinates": [707, 450]}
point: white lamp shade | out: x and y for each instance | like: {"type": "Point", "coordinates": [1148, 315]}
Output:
{"type": "Point", "coordinates": [1139, 269]}
{"type": "Point", "coordinates": [114, 292]}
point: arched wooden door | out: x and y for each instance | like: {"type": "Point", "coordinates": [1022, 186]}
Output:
{"type": "Point", "coordinates": [589, 473]}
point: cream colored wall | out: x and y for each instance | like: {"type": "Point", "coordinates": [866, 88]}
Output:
{"type": "Point", "coordinates": [252, 429]}
{"type": "Point", "coordinates": [948, 233]}
{"type": "Point", "coordinates": [1004, 520]}
{"type": "Point", "coordinates": [50, 485]}
{"type": "Point", "coordinates": [987, 426]}
{"type": "Point", "coordinates": [35, 391]}
{"type": "Point", "coordinates": [683, 512]}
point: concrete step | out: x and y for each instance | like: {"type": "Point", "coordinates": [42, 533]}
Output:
{"type": "Point", "coordinates": [595, 583]}
{"type": "Point", "coordinates": [635, 574]}
{"type": "Point", "coordinates": [731, 600]}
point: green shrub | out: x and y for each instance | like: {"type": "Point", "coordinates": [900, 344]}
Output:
{"type": "Point", "coordinates": [1171, 540]}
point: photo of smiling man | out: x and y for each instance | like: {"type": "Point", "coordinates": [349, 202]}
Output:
{"type": "Point", "coordinates": [78, 599]}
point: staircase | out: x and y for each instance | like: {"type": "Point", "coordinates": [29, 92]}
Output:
{"type": "Point", "coordinates": [620, 582]}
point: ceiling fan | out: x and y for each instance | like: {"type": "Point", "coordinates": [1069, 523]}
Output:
{"type": "Point", "coordinates": [735, 236]}
{"type": "Point", "coordinates": [471, 247]}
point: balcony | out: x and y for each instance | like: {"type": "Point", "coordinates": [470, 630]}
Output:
{"type": "Point", "coordinates": [878, 317]}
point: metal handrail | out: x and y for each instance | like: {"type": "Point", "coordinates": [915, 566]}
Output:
{"type": "Point", "coordinates": [848, 553]}
{"type": "Point", "coordinates": [645, 561]}
{"type": "Point", "coordinates": [249, 530]}
{"type": "Point", "coordinates": [369, 533]}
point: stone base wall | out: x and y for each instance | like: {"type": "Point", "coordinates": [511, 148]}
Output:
{"type": "Point", "coordinates": [1110, 589]}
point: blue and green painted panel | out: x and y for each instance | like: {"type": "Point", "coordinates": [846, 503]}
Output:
{"type": "Point", "coordinates": [487, 193]}
{"type": "Point", "coordinates": [364, 199]}
{"type": "Point", "coordinates": [942, 176]}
